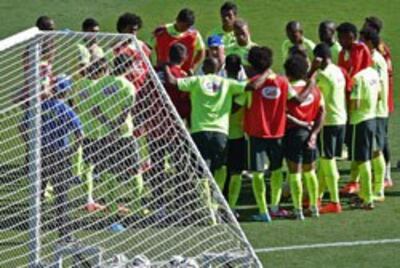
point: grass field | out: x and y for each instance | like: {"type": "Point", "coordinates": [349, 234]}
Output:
{"type": "Point", "coordinates": [267, 20]}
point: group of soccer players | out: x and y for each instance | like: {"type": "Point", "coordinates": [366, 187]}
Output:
{"type": "Point", "coordinates": [243, 116]}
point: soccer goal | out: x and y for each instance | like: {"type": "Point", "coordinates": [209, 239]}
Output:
{"type": "Point", "coordinates": [97, 169]}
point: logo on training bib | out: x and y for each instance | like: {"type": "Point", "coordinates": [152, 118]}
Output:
{"type": "Point", "coordinates": [212, 86]}
{"type": "Point", "coordinates": [271, 93]}
{"type": "Point", "coordinates": [310, 99]}
{"type": "Point", "coordinates": [110, 90]}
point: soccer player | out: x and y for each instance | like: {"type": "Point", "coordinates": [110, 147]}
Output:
{"type": "Point", "coordinates": [210, 123]}
{"type": "Point", "coordinates": [332, 84]}
{"type": "Point", "coordinates": [181, 101]}
{"type": "Point", "coordinates": [89, 50]}
{"type": "Point", "coordinates": [363, 107]}
{"type": "Point", "coordinates": [326, 32]}
{"type": "Point", "coordinates": [377, 24]}
{"type": "Point", "coordinates": [236, 157]}
{"type": "Point", "coordinates": [305, 120]}
{"type": "Point", "coordinates": [353, 57]}
{"type": "Point", "coordinates": [371, 38]}
{"type": "Point", "coordinates": [216, 50]}
{"type": "Point", "coordinates": [130, 23]}
{"type": "Point", "coordinates": [181, 31]}
{"type": "Point", "coordinates": [58, 124]}
{"type": "Point", "coordinates": [228, 12]}
{"type": "Point", "coordinates": [264, 123]}
{"type": "Point", "coordinates": [295, 35]}
{"type": "Point", "coordinates": [243, 41]}
{"type": "Point", "coordinates": [115, 97]}
{"type": "Point", "coordinates": [82, 101]}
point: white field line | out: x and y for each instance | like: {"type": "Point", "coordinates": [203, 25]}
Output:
{"type": "Point", "coordinates": [329, 245]}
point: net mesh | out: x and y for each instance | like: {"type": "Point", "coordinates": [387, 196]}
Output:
{"type": "Point", "coordinates": [75, 133]}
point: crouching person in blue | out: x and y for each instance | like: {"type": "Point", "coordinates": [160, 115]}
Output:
{"type": "Point", "coordinates": [59, 124]}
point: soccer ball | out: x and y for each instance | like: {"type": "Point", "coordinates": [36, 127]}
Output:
{"type": "Point", "coordinates": [182, 262]}
{"type": "Point", "coordinates": [140, 261]}
{"type": "Point", "coordinates": [117, 261]}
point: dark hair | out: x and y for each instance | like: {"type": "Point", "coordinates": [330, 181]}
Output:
{"type": "Point", "coordinates": [177, 53]}
{"type": "Point", "coordinates": [127, 19]}
{"type": "Point", "coordinates": [89, 23]}
{"type": "Point", "coordinates": [227, 6]}
{"type": "Point", "coordinates": [370, 34]}
{"type": "Point", "coordinates": [375, 23]}
{"type": "Point", "coordinates": [43, 23]}
{"type": "Point", "coordinates": [121, 64]}
{"type": "Point", "coordinates": [292, 25]}
{"type": "Point", "coordinates": [323, 51]}
{"type": "Point", "coordinates": [298, 50]}
{"type": "Point", "coordinates": [346, 28]}
{"type": "Point", "coordinates": [233, 63]}
{"type": "Point", "coordinates": [296, 67]}
{"type": "Point", "coordinates": [260, 58]}
{"type": "Point", "coordinates": [186, 16]}
{"type": "Point", "coordinates": [328, 23]}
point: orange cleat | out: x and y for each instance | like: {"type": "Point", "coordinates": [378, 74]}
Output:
{"type": "Point", "coordinates": [331, 207]}
{"type": "Point", "coordinates": [350, 188]}
{"type": "Point", "coordinates": [93, 207]}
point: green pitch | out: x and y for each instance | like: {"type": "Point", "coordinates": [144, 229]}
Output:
{"type": "Point", "coordinates": [267, 20]}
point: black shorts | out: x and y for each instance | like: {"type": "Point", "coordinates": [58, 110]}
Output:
{"type": "Point", "coordinates": [381, 133]}
{"type": "Point", "coordinates": [213, 147]}
{"type": "Point", "coordinates": [362, 137]}
{"type": "Point", "coordinates": [237, 155]}
{"type": "Point", "coordinates": [119, 156]}
{"type": "Point", "coordinates": [260, 149]}
{"type": "Point", "coordinates": [330, 141]}
{"type": "Point", "coordinates": [295, 146]}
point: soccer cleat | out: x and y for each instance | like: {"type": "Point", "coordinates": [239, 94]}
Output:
{"type": "Point", "coordinates": [358, 203]}
{"type": "Point", "coordinates": [350, 188]}
{"type": "Point", "coordinates": [280, 213]}
{"type": "Point", "coordinates": [331, 207]}
{"type": "Point", "coordinates": [314, 212]}
{"type": "Point", "coordinates": [264, 217]}
{"type": "Point", "coordinates": [388, 183]}
{"type": "Point", "coordinates": [117, 227]}
{"type": "Point", "coordinates": [298, 214]}
{"type": "Point", "coordinates": [93, 207]}
{"type": "Point", "coordinates": [379, 197]}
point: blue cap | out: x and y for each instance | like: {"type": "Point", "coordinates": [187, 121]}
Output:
{"type": "Point", "coordinates": [63, 83]}
{"type": "Point", "coordinates": [215, 41]}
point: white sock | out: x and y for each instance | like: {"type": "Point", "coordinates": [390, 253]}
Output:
{"type": "Point", "coordinates": [388, 173]}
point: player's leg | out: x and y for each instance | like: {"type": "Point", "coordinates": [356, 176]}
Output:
{"type": "Point", "coordinates": [257, 160]}
{"type": "Point", "coordinates": [378, 161]}
{"type": "Point", "coordinates": [320, 170]}
{"type": "Point", "coordinates": [275, 156]}
{"type": "Point", "coordinates": [237, 151]}
{"type": "Point", "coordinates": [363, 139]}
{"type": "Point", "coordinates": [311, 180]}
{"type": "Point", "coordinates": [353, 186]}
{"type": "Point", "coordinates": [332, 146]}
{"type": "Point", "coordinates": [386, 153]}
{"type": "Point", "coordinates": [219, 156]}
{"type": "Point", "coordinates": [293, 147]}
{"type": "Point", "coordinates": [60, 179]}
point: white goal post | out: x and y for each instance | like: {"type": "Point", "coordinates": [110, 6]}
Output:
{"type": "Point", "coordinates": [98, 170]}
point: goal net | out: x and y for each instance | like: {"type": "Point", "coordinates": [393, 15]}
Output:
{"type": "Point", "coordinates": [97, 168]}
